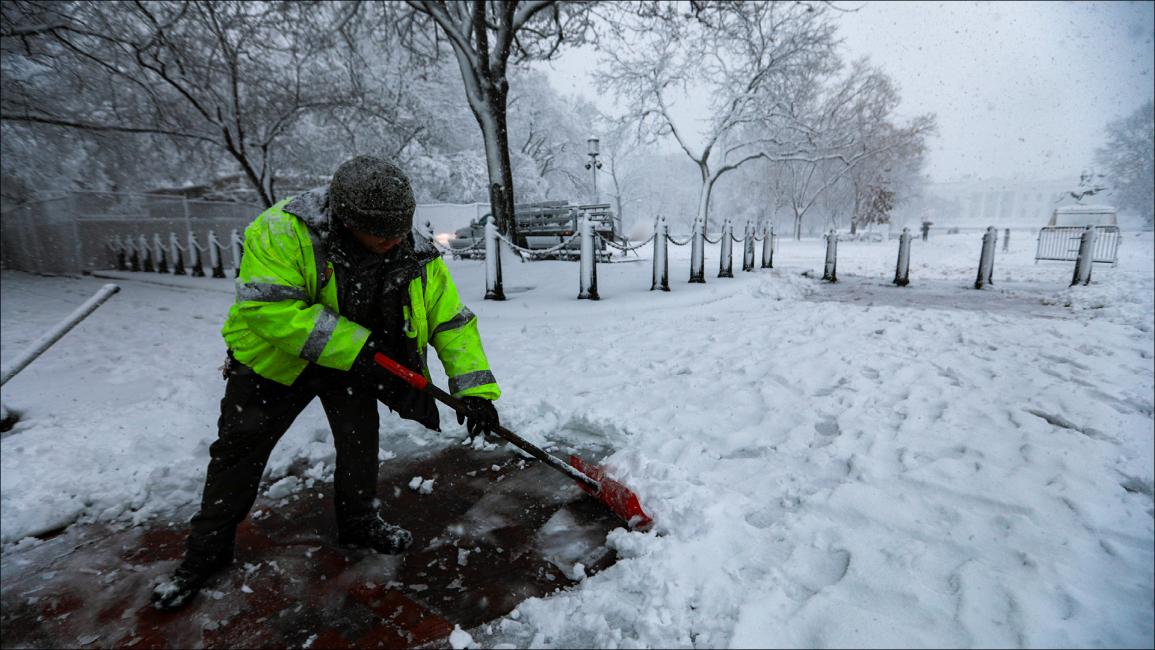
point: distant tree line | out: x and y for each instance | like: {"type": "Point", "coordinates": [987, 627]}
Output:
{"type": "Point", "coordinates": [131, 95]}
{"type": "Point", "coordinates": [1128, 158]}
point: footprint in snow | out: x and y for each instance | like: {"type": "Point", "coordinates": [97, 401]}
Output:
{"type": "Point", "coordinates": [818, 569]}
{"type": "Point", "coordinates": [827, 428]}
{"type": "Point", "coordinates": [827, 431]}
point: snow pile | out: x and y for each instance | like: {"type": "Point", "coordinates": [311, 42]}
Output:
{"type": "Point", "coordinates": [459, 639]}
{"type": "Point", "coordinates": [421, 485]}
{"type": "Point", "coordinates": [827, 465]}
{"type": "Point", "coordinates": [283, 488]}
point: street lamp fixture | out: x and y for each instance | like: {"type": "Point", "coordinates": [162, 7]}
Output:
{"type": "Point", "coordinates": [594, 165]}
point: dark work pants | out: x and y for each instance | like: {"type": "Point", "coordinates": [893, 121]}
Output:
{"type": "Point", "coordinates": [255, 413]}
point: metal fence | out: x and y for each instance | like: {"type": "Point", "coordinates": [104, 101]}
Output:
{"type": "Point", "coordinates": [1061, 243]}
{"type": "Point", "coordinates": [70, 234]}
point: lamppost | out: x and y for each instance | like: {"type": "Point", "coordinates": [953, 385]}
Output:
{"type": "Point", "coordinates": [593, 164]}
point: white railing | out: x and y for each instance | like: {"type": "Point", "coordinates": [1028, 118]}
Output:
{"type": "Point", "coordinates": [1061, 243]}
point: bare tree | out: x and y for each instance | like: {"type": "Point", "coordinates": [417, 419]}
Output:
{"type": "Point", "coordinates": [237, 76]}
{"type": "Point", "coordinates": [853, 118]}
{"type": "Point", "coordinates": [747, 55]}
{"type": "Point", "coordinates": [1129, 158]}
{"type": "Point", "coordinates": [618, 150]}
{"type": "Point", "coordinates": [892, 176]}
{"type": "Point", "coordinates": [620, 179]}
{"type": "Point", "coordinates": [551, 130]}
{"type": "Point", "coordinates": [486, 37]}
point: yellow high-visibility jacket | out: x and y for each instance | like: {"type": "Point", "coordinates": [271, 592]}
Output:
{"type": "Point", "coordinates": [286, 313]}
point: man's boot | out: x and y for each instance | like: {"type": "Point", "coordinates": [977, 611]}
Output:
{"type": "Point", "coordinates": [374, 533]}
{"type": "Point", "coordinates": [178, 589]}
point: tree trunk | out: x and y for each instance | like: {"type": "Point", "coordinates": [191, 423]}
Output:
{"type": "Point", "coordinates": [704, 198]}
{"type": "Point", "coordinates": [491, 117]}
{"type": "Point", "coordinates": [250, 174]}
{"type": "Point", "coordinates": [503, 192]}
{"type": "Point", "coordinates": [487, 90]}
{"type": "Point", "coordinates": [618, 198]}
{"type": "Point", "coordinates": [857, 207]}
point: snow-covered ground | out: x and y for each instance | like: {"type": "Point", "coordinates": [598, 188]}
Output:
{"type": "Point", "coordinates": [827, 465]}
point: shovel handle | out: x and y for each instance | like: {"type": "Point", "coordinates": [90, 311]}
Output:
{"type": "Point", "coordinates": [414, 379]}
{"type": "Point", "coordinates": [419, 382]}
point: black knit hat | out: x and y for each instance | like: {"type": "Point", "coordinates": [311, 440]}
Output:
{"type": "Point", "coordinates": [373, 196]}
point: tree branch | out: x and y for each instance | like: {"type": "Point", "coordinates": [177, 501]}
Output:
{"type": "Point", "coordinates": [92, 126]}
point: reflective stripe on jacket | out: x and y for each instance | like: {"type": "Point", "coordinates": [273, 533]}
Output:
{"type": "Point", "coordinates": [286, 313]}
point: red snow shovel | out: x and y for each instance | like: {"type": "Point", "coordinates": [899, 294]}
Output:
{"type": "Point", "coordinates": [591, 478]}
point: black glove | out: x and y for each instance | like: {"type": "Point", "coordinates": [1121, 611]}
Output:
{"type": "Point", "coordinates": [479, 416]}
{"type": "Point", "coordinates": [369, 370]}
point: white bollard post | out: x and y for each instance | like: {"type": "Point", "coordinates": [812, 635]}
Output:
{"type": "Point", "coordinates": [589, 270]}
{"type": "Point", "coordinates": [748, 248]}
{"type": "Point", "coordinates": [161, 257]}
{"type": "Point", "coordinates": [215, 255]}
{"type": "Point", "coordinates": [53, 335]}
{"type": "Point", "coordinates": [661, 257]}
{"type": "Point", "coordinates": [238, 248]}
{"type": "Point", "coordinates": [768, 248]}
{"type": "Point", "coordinates": [830, 271]}
{"type": "Point", "coordinates": [146, 254]}
{"type": "Point", "coordinates": [1086, 259]}
{"type": "Point", "coordinates": [986, 259]}
{"type": "Point", "coordinates": [697, 253]}
{"type": "Point", "coordinates": [994, 245]}
{"type": "Point", "coordinates": [726, 253]}
{"type": "Point", "coordinates": [133, 254]}
{"type": "Point", "coordinates": [902, 271]}
{"type": "Point", "coordinates": [194, 253]}
{"type": "Point", "coordinates": [493, 289]}
{"type": "Point", "coordinates": [177, 254]}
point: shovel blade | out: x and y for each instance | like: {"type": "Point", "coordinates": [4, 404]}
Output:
{"type": "Point", "coordinates": [620, 499]}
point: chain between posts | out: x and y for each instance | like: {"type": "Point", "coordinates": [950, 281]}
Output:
{"type": "Point", "coordinates": [458, 251]}
{"type": "Point", "coordinates": [443, 250]}
{"type": "Point", "coordinates": [533, 252]}
{"type": "Point", "coordinates": [711, 241]}
{"type": "Point", "coordinates": [626, 248]}
{"type": "Point", "coordinates": [677, 243]}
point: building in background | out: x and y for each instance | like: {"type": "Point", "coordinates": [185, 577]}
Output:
{"type": "Point", "coordinates": [974, 204]}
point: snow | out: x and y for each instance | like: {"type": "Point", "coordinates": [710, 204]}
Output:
{"type": "Point", "coordinates": [563, 543]}
{"type": "Point", "coordinates": [460, 639]}
{"type": "Point", "coordinates": [283, 488]}
{"type": "Point", "coordinates": [852, 464]}
{"type": "Point", "coordinates": [51, 336]}
{"type": "Point", "coordinates": [421, 485]}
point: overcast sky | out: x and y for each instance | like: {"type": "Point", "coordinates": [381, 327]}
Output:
{"type": "Point", "coordinates": [1020, 89]}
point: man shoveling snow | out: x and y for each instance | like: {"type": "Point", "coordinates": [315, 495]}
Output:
{"type": "Point", "coordinates": [329, 278]}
